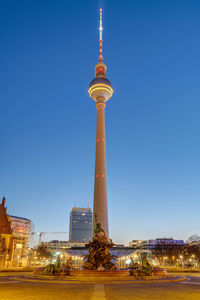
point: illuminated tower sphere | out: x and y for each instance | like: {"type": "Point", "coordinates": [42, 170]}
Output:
{"type": "Point", "coordinates": [100, 90]}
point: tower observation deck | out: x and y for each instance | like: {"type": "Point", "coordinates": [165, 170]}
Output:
{"type": "Point", "coordinates": [100, 90]}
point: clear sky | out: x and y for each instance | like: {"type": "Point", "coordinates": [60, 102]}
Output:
{"type": "Point", "coordinates": [48, 51]}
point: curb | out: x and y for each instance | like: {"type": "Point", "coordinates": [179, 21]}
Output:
{"type": "Point", "coordinates": [85, 280]}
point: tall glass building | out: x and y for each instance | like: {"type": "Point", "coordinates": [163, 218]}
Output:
{"type": "Point", "coordinates": [80, 229]}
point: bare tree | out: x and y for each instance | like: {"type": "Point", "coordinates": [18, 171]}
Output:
{"type": "Point", "coordinates": [43, 252]}
{"type": "Point", "coordinates": [193, 238]}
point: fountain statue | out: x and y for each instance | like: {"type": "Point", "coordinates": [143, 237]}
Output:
{"type": "Point", "coordinates": [99, 256]}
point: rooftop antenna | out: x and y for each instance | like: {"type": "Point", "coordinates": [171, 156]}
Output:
{"type": "Point", "coordinates": [74, 203]}
{"type": "Point", "coordinates": [88, 203]}
{"type": "Point", "coordinates": [100, 37]}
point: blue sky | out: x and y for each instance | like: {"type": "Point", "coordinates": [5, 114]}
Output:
{"type": "Point", "coordinates": [48, 53]}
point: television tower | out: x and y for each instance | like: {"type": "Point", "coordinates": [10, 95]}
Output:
{"type": "Point", "coordinates": [100, 90]}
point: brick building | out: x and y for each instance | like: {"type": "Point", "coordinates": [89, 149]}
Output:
{"type": "Point", "coordinates": [6, 239]}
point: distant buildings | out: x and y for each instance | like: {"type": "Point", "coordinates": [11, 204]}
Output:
{"type": "Point", "coordinates": [56, 245]}
{"type": "Point", "coordinates": [80, 229]}
{"type": "Point", "coordinates": [152, 244]}
{"type": "Point", "coordinates": [162, 242]}
{"type": "Point", "coordinates": [138, 244]}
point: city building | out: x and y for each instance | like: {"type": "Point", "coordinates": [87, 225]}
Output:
{"type": "Point", "coordinates": [163, 242]}
{"type": "Point", "coordinates": [158, 242]}
{"type": "Point", "coordinates": [138, 244]}
{"type": "Point", "coordinates": [80, 229]}
{"type": "Point", "coordinates": [21, 231]}
{"type": "Point", "coordinates": [100, 90]}
{"type": "Point", "coordinates": [56, 245]}
{"type": "Point", "coordinates": [14, 238]}
{"type": "Point", "coordinates": [6, 241]}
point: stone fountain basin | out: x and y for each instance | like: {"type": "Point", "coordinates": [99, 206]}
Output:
{"type": "Point", "coordinates": [95, 273]}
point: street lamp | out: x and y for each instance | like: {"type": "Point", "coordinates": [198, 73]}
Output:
{"type": "Point", "coordinates": [18, 256]}
{"type": "Point", "coordinates": [181, 257]}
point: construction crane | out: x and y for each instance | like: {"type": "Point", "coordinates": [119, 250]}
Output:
{"type": "Point", "coordinates": [42, 233]}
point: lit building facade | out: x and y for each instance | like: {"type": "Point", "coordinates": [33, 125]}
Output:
{"type": "Point", "coordinates": [56, 245]}
{"type": "Point", "coordinates": [21, 231]}
{"type": "Point", "coordinates": [138, 244]}
{"type": "Point", "coordinates": [80, 229]}
{"type": "Point", "coordinates": [14, 238]}
{"type": "Point", "coordinates": [20, 226]}
{"type": "Point", "coordinates": [162, 242]}
{"type": "Point", "coordinates": [152, 244]}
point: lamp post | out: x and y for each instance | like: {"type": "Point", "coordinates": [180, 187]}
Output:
{"type": "Point", "coordinates": [173, 258]}
{"type": "Point", "coordinates": [182, 263]}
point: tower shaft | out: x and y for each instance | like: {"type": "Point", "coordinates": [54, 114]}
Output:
{"type": "Point", "coordinates": [100, 213]}
{"type": "Point", "coordinates": [100, 90]}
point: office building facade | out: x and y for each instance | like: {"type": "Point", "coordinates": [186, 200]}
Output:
{"type": "Point", "coordinates": [80, 225]}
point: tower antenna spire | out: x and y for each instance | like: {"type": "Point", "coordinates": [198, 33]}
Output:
{"type": "Point", "coordinates": [100, 37]}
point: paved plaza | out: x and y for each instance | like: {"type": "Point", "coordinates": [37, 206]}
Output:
{"type": "Point", "coordinates": [22, 286]}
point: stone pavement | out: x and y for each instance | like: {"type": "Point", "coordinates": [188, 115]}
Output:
{"type": "Point", "coordinates": [15, 286]}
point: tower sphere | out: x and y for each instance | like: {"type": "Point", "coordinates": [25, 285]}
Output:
{"type": "Point", "coordinates": [100, 87]}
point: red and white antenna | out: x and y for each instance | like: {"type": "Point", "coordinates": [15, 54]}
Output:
{"type": "Point", "coordinates": [100, 37]}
